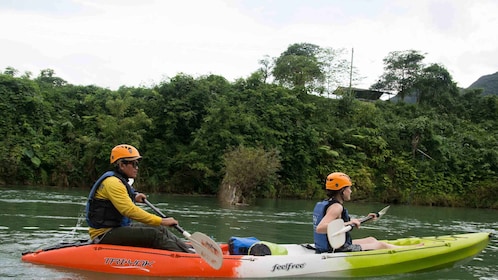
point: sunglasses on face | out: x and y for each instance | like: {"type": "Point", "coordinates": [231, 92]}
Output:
{"type": "Point", "coordinates": [134, 163]}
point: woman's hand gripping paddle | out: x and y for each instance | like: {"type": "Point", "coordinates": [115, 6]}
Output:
{"type": "Point", "coordinates": [206, 247]}
{"type": "Point", "coordinates": [336, 231]}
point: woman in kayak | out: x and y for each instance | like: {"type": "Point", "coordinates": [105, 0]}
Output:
{"type": "Point", "coordinates": [338, 188]}
{"type": "Point", "coordinates": [111, 208]}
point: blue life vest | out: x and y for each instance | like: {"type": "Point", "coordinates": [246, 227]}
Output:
{"type": "Point", "coordinates": [321, 241]}
{"type": "Point", "coordinates": [101, 213]}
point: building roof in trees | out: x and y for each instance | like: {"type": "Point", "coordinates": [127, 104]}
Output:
{"type": "Point", "coordinates": [361, 94]}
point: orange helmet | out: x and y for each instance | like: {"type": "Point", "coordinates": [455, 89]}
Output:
{"type": "Point", "coordinates": [337, 180]}
{"type": "Point", "coordinates": [124, 151]}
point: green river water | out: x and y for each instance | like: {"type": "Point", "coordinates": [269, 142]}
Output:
{"type": "Point", "coordinates": [31, 218]}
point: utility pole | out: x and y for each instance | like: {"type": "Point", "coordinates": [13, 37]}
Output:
{"type": "Point", "coordinates": [351, 73]}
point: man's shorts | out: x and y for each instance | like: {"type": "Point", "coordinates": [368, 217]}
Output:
{"type": "Point", "coordinates": [349, 248]}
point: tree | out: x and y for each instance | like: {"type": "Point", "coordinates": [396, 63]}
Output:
{"type": "Point", "coordinates": [23, 118]}
{"type": "Point", "coordinates": [299, 66]}
{"type": "Point", "coordinates": [267, 64]}
{"type": "Point", "coordinates": [47, 76]}
{"type": "Point", "coordinates": [11, 71]}
{"type": "Point", "coordinates": [336, 69]}
{"type": "Point", "coordinates": [179, 116]}
{"type": "Point", "coordinates": [310, 67]}
{"type": "Point", "coordinates": [435, 86]}
{"type": "Point", "coordinates": [246, 169]}
{"type": "Point", "coordinates": [402, 68]}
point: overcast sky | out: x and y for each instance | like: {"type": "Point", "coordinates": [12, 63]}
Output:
{"type": "Point", "coordinates": [113, 43]}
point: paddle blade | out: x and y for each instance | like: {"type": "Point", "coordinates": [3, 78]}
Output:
{"type": "Point", "coordinates": [383, 211]}
{"type": "Point", "coordinates": [207, 248]}
{"type": "Point", "coordinates": [336, 233]}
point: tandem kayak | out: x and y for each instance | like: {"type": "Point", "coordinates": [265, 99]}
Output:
{"type": "Point", "coordinates": [416, 255]}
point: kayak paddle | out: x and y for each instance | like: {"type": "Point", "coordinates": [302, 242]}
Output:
{"type": "Point", "coordinates": [336, 231]}
{"type": "Point", "coordinates": [206, 247]}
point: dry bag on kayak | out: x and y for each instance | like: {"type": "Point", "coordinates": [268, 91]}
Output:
{"type": "Point", "coordinates": [264, 248]}
{"type": "Point", "coordinates": [240, 245]}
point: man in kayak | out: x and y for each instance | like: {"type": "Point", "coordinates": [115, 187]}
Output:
{"type": "Point", "coordinates": [338, 188]}
{"type": "Point", "coordinates": [111, 208]}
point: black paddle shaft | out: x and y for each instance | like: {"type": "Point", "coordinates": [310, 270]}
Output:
{"type": "Point", "coordinates": [366, 219]}
{"type": "Point", "coordinates": [179, 228]}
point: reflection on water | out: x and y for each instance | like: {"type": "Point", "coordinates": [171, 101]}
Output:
{"type": "Point", "coordinates": [32, 218]}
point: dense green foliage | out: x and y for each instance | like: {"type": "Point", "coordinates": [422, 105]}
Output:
{"type": "Point", "coordinates": [440, 151]}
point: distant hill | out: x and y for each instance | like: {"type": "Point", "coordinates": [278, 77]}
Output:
{"type": "Point", "coordinates": [489, 83]}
